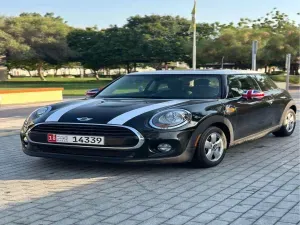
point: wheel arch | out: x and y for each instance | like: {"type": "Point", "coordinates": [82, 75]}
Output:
{"type": "Point", "coordinates": [218, 121]}
{"type": "Point", "coordinates": [290, 105]}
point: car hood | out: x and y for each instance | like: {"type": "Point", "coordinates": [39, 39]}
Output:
{"type": "Point", "coordinates": [112, 111]}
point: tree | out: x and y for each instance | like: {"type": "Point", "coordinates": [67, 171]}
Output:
{"type": "Point", "coordinates": [282, 38]}
{"type": "Point", "coordinates": [83, 42]}
{"type": "Point", "coordinates": [36, 38]}
{"type": "Point", "coordinates": [276, 34]}
{"type": "Point", "coordinates": [162, 38]}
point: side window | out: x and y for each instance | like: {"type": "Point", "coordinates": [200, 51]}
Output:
{"type": "Point", "coordinates": [265, 82]}
{"type": "Point", "coordinates": [239, 83]}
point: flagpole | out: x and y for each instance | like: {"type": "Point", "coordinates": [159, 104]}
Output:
{"type": "Point", "coordinates": [194, 40]}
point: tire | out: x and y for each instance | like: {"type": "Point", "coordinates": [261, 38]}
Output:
{"type": "Point", "coordinates": [208, 154]}
{"type": "Point", "coordinates": [286, 129]}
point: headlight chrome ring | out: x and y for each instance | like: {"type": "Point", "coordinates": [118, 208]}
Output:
{"type": "Point", "coordinates": [161, 120]}
{"type": "Point", "coordinates": [41, 111]}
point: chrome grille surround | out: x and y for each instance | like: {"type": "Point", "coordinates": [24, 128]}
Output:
{"type": "Point", "coordinates": [140, 137]}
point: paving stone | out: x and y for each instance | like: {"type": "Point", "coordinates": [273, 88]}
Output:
{"type": "Point", "coordinates": [169, 213]}
{"type": "Point", "coordinates": [41, 222]}
{"type": "Point", "coordinates": [230, 202]}
{"type": "Point", "coordinates": [65, 221]}
{"type": "Point", "coordinates": [184, 205]}
{"type": "Point", "coordinates": [286, 204]}
{"type": "Point", "coordinates": [117, 218]}
{"type": "Point", "coordinates": [276, 212]}
{"type": "Point", "coordinates": [266, 220]}
{"type": "Point", "coordinates": [282, 223]}
{"type": "Point", "coordinates": [193, 223]}
{"type": "Point", "coordinates": [144, 215]}
{"type": "Point", "coordinates": [240, 208]}
{"type": "Point", "coordinates": [153, 221]}
{"type": "Point", "coordinates": [91, 220]}
{"type": "Point", "coordinates": [291, 218]}
{"type": "Point", "coordinates": [253, 185]}
{"type": "Point", "coordinates": [218, 222]}
{"type": "Point", "coordinates": [253, 214]}
{"type": "Point", "coordinates": [218, 209]}
{"type": "Point", "coordinates": [135, 210]}
{"type": "Point", "coordinates": [243, 221]}
{"type": "Point", "coordinates": [281, 193]}
{"type": "Point", "coordinates": [195, 211]}
{"type": "Point", "coordinates": [207, 204]}
{"type": "Point", "coordinates": [179, 219]}
{"type": "Point", "coordinates": [204, 217]}
{"type": "Point", "coordinates": [251, 201]}
{"type": "Point", "coordinates": [274, 199]}
{"type": "Point", "coordinates": [264, 206]}
{"type": "Point", "coordinates": [58, 216]}
{"type": "Point", "coordinates": [230, 216]}
{"type": "Point", "coordinates": [129, 222]}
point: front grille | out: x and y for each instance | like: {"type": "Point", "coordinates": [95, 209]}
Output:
{"type": "Point", "coordinates": [115, 136]}
{"type": "Point", "coordinates": [84, 129]}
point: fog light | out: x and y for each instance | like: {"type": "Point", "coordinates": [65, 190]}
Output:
{"type": "Point", "coordinates": [164, 147]}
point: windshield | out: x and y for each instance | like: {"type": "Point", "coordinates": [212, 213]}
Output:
{"type": "Point", "coordinates": [164, 87]}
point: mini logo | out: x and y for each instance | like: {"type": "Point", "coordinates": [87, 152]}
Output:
{"type": "Point", "coordinates": [84, 119]}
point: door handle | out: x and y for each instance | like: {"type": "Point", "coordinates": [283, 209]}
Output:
{"type": "Point", "coordinates": [283, 97]}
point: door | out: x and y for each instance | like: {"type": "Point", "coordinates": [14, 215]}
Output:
{"type": "Point", "coordinates": [277, 95]}
{"type": "Point", "coordinates": [251, 114]}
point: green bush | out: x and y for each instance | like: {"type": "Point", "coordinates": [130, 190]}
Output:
{"type": "Point", "coordinates": [277, 73]}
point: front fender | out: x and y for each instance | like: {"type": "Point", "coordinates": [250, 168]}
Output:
{"type": "Point", "coordinates": [204, 124]}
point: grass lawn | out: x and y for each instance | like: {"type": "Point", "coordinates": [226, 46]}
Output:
{"type": "Point", "coordinates": [72, 86]}
{"type": "Point", "coordinates": [282, 78]}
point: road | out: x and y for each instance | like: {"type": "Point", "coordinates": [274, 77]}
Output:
{"type": "Point", "coordinates": [257, 183]}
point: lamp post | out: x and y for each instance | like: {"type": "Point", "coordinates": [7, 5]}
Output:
{"type": "Point", "coordinates": [288, 70]}
{"type": "Point", "coordinates": [222, 63]}
{"type": "Point", "coordinates": [254, 52]}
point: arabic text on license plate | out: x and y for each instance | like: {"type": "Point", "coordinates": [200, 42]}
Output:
{"type": "Point", "coordinates": [75, 139]}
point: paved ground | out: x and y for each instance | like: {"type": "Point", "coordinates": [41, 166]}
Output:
{"type": "Point", "coordinates": [257, 183]}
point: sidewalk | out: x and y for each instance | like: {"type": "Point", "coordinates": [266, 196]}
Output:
{"type": "Point", "coordinates": [21, 106]}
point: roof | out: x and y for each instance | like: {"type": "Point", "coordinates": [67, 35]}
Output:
{"type": "Point", "coordinates": [191, 72]}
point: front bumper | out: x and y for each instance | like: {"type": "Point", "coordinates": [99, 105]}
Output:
{"type": "Point", "coordinates": [182, 151]}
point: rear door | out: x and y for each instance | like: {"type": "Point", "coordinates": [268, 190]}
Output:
{"type": "Point", "coordinates": [251, 114]}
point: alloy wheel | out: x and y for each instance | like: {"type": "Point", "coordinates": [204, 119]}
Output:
{"type": "Point", "coordinates": [214, 147]}
{"type": "Point", "coordinates": [290, 122]}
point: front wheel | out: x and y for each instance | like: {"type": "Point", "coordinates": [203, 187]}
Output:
{"type": "Point", "coordinates": [211, 148]}
{"type": "Point", "coordinates": [288, 125]}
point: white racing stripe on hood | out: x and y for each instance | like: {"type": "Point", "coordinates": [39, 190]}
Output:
{"type": "Point", "coordinates": [54, 117]}
{"type": "Point", "coordinates": [123, 118]}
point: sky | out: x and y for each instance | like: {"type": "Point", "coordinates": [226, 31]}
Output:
{"type": "Point", "coordinates": [86, 13]}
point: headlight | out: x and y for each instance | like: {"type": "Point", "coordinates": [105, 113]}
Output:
{"type": "Point", "coordinates": [40, 112]}
{"type": "Point", "coordinates": [35, 115]}
{"type": "Point", "coordinates": [170, 119]}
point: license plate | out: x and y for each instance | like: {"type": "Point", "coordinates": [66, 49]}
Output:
{"type": "Point", "coordinates": [75, 139]}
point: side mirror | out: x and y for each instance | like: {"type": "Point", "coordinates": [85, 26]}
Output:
{"type": "Point", "coordinates": [92, 93]}
{"type": "Point", "coordinates": [253, 94]}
